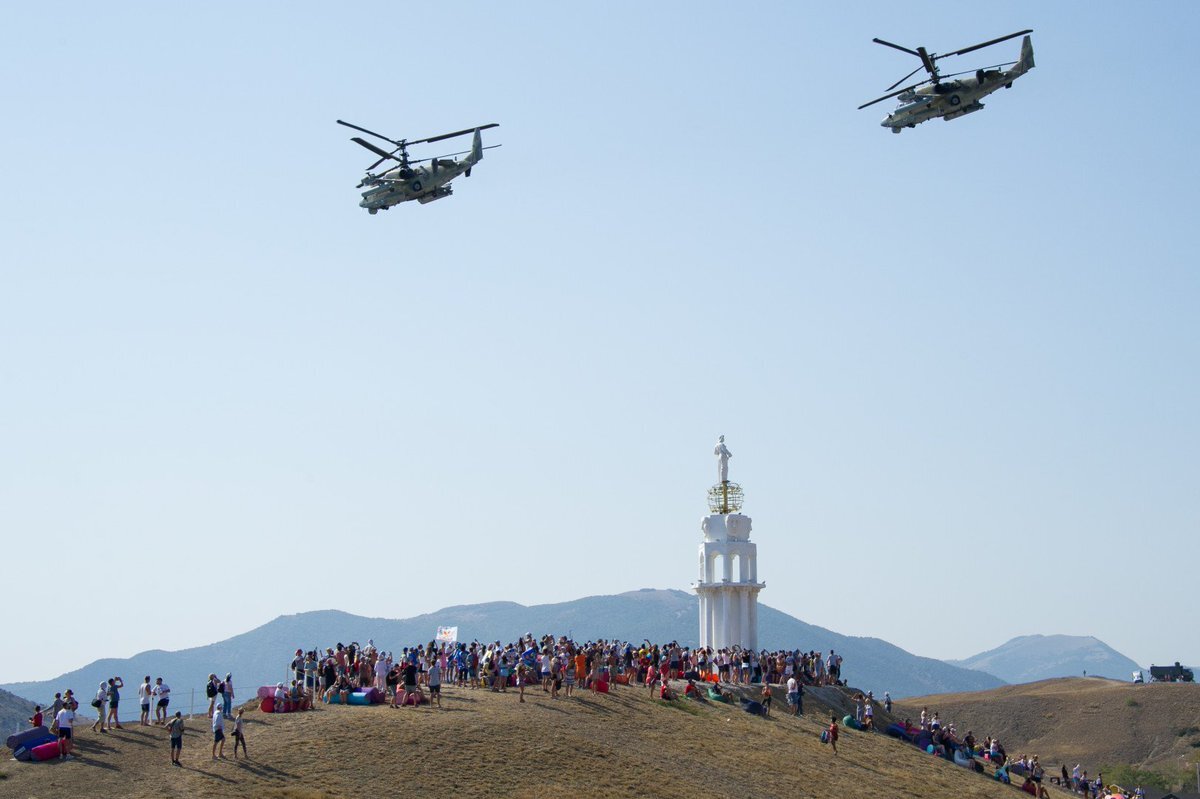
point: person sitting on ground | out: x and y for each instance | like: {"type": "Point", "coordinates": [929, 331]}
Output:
{"type": "Point", "coordinates": [665, 691]}
{"type": "Point", "coordinates": [281, 697]}
{"type": "Point", "coordinates": [1029, 787]}
{"type": "Point", "coordinates": [690, 688]}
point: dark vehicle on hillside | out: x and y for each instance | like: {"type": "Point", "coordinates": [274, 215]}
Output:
{"type": "Point", "coordinates": [1174, 673]}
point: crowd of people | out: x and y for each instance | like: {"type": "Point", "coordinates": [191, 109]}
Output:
{"type": "Point", "coordinates": [558, 665]}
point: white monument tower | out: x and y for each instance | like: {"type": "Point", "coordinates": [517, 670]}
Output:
{"type": "Point", "coordinates": [728, 585]}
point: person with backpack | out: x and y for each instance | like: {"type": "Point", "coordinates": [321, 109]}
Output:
{"type": "Point", "coordinates": [175, 727]}
{"type": "Point", "coordinates": [211, 690]}
{"type": "Point", "coordinates": [100, 703]}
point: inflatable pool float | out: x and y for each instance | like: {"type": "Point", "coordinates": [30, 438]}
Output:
{"type": "Point", "coordinates": [24, 750]}
{"type": "Point", "coordinates": [716, 696]}
{"type": "Point", "coordinates": [851, 723]}
{"type": "Point", "coordinates": [24, 737]}
{"type": "Point", "coordinates": [47, 751]}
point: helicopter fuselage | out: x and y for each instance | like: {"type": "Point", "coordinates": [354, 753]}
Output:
{"type": "Point", "coordinates": [951, 99]}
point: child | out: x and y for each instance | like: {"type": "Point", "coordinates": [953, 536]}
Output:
{"type": "Point", "coordinates": [568, 680]}
{"type": "Point", "coordinates": [35, 720]}
{"type": "Point", "coordinates": [833, 733]}
{"type": "Point", "coordinates": [766, 700]}
{"type": "Point", "coordinates": [239, 735]}
{"type": "Point", "coordinates": [521, 680]}
{"type": "Point", "coordinates": [175, 726]}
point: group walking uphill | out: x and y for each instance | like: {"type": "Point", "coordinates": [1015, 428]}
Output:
{"type": "Point", "coordinates": [354, 674]}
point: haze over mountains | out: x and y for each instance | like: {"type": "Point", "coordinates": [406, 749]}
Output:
{"type": "Point", "coordinates": [261, 655]}
{"type": "Point", "coordinates": [1029, 658]}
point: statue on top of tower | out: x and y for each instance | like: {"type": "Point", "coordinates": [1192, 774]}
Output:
{"type": "Point", "coordinates": [723, 455]}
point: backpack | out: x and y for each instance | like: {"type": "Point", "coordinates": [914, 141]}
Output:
{"type": "Point", "coordinates": [210, 690]}
{"type": "Point", "coordinates": [824, 736]}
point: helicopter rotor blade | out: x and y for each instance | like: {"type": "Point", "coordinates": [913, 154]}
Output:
{"type": "Point", "coordinates": [378, 151]}
{"type": "Point", "coordinates": [371, 133]}
{"type": "Point", "coordinates": [985, 44]}
{"type": "Point", "coordinates": [893, 94]}
{"type": "Point", "coordinates": [455, 133]}
{"type": "Point", "coordinates": [906, 77]}
{"type": "Point", "coordinates": [897, 47]}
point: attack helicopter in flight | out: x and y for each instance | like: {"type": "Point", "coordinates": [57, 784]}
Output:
{"type": "Point", "coordinates": [950, 96]}
{"type": "Point", "coordinates": [408, 182]}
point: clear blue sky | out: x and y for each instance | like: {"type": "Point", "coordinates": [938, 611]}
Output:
{"type": "Point", "coordinates": [957, 367]}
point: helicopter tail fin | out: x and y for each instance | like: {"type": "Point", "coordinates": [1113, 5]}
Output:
{"type": "Point", "coordinates": [476, 148]}
{"type": "Point", "coordinates": [1025, 63]}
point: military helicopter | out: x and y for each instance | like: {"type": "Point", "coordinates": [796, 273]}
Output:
{"type": "Point", "coordinates": [406, 182]}
{"type": "Point", "coordinates": [950, 99]}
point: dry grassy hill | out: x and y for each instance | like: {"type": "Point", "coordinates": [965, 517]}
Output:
{"type": "Point", "coordinates": [1092, 721]}
{"type": "Point", "coordinates": [483, 744]}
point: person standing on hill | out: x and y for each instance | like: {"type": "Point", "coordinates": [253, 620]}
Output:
{"type": "Point", "coordinates": [833, 733]}
{"type": "Point", "coordinates": [145, 691]}
{"type": "Point", "coordinates": [175, 727]}
{"type": "Point", "coordinates": [218, 728]}
{"type": "Point", "coordinates": [162, 693]}
{"type": "Point", "coordinates": [65, 722]}
{"type": "Point", "coordinates": [227, 694]}
{"type": "Point", "coordinates": [795, 696]}
{"type": "Point", "coordinates": [211, 689]}
{"type": "Point", "coordinates": [434, 678]}
{"type": "Point", "coordinates": [887, 702]}
{"type": "Point", "coordinates": [101, 705]}
{"type": "Point", "coordinates": [239, 736]}
{"type": "Point", "coordinates": [115, 684]}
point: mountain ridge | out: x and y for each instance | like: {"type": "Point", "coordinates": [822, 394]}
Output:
{"type": "Point", "coordinates": [1031, 658]}
{"type": "Point", "coordinates": [261, 655]}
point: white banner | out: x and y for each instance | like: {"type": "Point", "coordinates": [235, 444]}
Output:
{"type": "Point", "coordinates": [448, 635]}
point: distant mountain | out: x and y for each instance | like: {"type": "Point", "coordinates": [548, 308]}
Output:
{"type": "Point", "coordinates": [14, 713]}
{"type": "Point", "coordinates": [260, 656]}
{"type": "Point", "coordinates": [1030, 658]}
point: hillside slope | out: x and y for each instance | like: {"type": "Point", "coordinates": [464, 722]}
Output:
{"type": "Point", "coordinates": [261, 655]}
{"type": "Point", "coordinates": [1095, 722]}
{"type": "Point", "coordinates": [14, 712]}
{"type": "Point", "coordinates": [1029, 658]}
{"type": "Point", "coordinates": [484, 744]}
